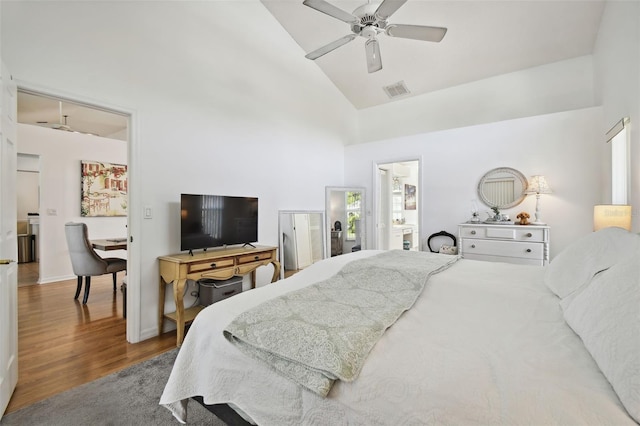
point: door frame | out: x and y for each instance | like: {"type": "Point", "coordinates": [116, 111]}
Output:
{"type": "Point", "coordinates": [134, 218]}
{"type": "Point", "coordinates": [376, 194]}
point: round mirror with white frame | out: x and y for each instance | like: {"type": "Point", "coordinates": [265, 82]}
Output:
{"type": "Point", "coordinates": [502, 187]}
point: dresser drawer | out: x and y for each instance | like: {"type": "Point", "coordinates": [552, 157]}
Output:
{"type": "Point", "coordinates": [254, 258]}
{"type": "Point", "coordinates": [504, 232]}
{"type": "Point", "coordinates": [208, 265]}
{"type": "Point", "coordinates": [530, 234]}
{"type": "Point", "coordinates": [503, 248]}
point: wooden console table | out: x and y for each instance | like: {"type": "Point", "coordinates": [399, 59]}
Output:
{"type": "Point", "coordinates": [220, 264]}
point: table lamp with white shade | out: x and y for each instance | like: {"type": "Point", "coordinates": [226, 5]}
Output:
{"type": "Point", "coordinates": [538, 185]}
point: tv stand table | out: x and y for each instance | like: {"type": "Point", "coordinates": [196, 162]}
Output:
{"type": "Point", "coordinates": [219, 264]}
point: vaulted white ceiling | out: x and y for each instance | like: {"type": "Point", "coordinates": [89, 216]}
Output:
{"type": "Point", "coordinates": [484, 39]}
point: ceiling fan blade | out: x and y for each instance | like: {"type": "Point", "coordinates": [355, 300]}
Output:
{"type": "Point", "coordinates": [374, 61]}
{"type": "Point", "coordinates": [388, 8]}
{"type": "Point", "coordinates": [416, 32]}
{"type": "Point", "coordinates": [331, 10]}
{"type": "Point", "coordinates": [329, 47]}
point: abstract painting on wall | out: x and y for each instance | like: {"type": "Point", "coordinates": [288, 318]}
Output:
{"type": "Point", "coordinates": [104, 189]}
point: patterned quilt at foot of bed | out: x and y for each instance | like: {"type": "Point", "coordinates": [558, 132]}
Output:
{"type": "Point", "coordinates": [324, 332]}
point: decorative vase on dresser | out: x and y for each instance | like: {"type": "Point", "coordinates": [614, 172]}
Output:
{"type": "Point", "coordinates": [523, 244]}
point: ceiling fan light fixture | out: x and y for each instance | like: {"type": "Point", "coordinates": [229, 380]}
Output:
{"type": "Point", "coordinates": [372, 49]}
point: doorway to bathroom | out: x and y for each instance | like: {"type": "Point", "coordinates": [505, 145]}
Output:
{"type": "Point", "coordinates": [397, 205]}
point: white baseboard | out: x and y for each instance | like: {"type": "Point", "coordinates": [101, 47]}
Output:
{"type": "Point", "coordinates": [50, 280]}
{"type": "Point", "coordinates": [150, 332]}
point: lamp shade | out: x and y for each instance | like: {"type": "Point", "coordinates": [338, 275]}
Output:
{"type": "Point", "coordinates": [607, 215]}
{"type": "Point", "coordinates": [538, 185]}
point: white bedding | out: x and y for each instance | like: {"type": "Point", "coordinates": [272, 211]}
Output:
{"type": "Point", "coordinates": [495, 350]}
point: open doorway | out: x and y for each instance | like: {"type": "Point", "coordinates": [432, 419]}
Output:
{"type": "Point", "coordinates": [56, 136]}
{"type": "Point", "coordinates": [28, 218]}
{"type": "Point", "coordinates": [397, 205]}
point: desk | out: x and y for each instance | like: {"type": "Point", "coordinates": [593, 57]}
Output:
{"type": "Point", "coordinates": [115, 244]}
{"type": "Point", "coordinates": [220, 264]}
{"type": "Point", "coordinates": [110, 244]}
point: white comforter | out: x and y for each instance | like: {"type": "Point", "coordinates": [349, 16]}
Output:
{"type": "Point", "coordinates": [495, 350]}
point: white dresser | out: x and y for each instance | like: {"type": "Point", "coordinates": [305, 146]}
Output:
{"type": "Point", "coordinates": [524, 244]}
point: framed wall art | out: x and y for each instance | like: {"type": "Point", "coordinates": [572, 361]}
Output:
{"type": "Point", "coordinates": [409, 197]}
{"type": "Point", "coordinates": [104, 189]}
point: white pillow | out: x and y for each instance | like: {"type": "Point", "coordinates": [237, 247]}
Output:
{"type": "Point", "coordinates": [574, 267]}
{"type": "Point", "coordinates": [606, 316]}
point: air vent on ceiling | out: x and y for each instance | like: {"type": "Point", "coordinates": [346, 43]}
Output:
{"type": "Point", "coordinates": [396, 89]}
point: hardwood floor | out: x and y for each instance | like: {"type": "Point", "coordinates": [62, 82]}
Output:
{"type": "Point", "coordinates": [288, 273]}
{"type": "Point", "coordinates": [28, 273]}
{"type": "Point", "coordinates": [63, 343]}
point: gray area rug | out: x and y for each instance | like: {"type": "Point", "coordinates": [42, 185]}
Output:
{"type": "Point", "coordinates": [128, 397]}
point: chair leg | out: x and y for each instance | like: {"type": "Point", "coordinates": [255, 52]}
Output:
{"type": "Point", "coordinates": [124, 299]}
{"type": "Point", "coordinates": [78, 288]}
{"type": "Point", "coordinates": [87, 287]}
{"type": "Point", "coordinates": [114, 282]}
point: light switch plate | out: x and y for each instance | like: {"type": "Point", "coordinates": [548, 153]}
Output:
{"type": "Point", "coordinates": [147, 212]}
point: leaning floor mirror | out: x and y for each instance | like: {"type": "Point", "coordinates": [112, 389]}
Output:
{"type": "Point", "coordinates": [302, 239]}
{"type": "Point", "coordinates": [345, 216]}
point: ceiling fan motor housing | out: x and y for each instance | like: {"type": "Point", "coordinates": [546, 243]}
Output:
{"type": "Point", "coordinates": [367, 18]}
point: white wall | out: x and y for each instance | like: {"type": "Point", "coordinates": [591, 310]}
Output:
{"type": "Point", "coordinates": [222, 101]}
{"type": "Point", "coordinates": [60, 154]}
{"type": "Point", "coordinates": [562, 146]}
{"type": "Point", "coordinates": [617, 64]}
{"type": "Point", "coordinates": [27, 189]}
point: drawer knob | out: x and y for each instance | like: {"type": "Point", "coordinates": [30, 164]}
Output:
{"type": "Point", "coordinates": [213, 265]}
{"type": "Point", "coordinates": [473, 232]}
{"type": "Point", "coordinates": [256, 257]}
{"type": "Point", "coordinates": [528, 250]}
{"type": "Point", "coordinates": [473, 246]}
{"type": "Point", "coordinates": [529, 234]}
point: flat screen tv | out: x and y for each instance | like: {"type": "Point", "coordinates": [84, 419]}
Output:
{"type": "Point", "coordinates": [217, 220]}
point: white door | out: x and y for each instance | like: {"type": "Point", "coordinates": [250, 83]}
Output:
{"type": "Point", "coordinates": [302, 240]}
{"type": "Point", "coordinates": [8, 240]}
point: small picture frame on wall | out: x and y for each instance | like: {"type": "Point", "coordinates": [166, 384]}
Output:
{"type": "Point", "coordinates": [409, 197]}
{"type": "Point", "coordinates": [104, 189]}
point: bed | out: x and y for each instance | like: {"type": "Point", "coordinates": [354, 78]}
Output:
{"type": "Point", "coordinates": [483, 343]}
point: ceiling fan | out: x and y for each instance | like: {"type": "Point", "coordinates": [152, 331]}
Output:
{"type": "Point", "coordinates": [59, 125]}
{"type": "Point", "coordinates": [369, 21]}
